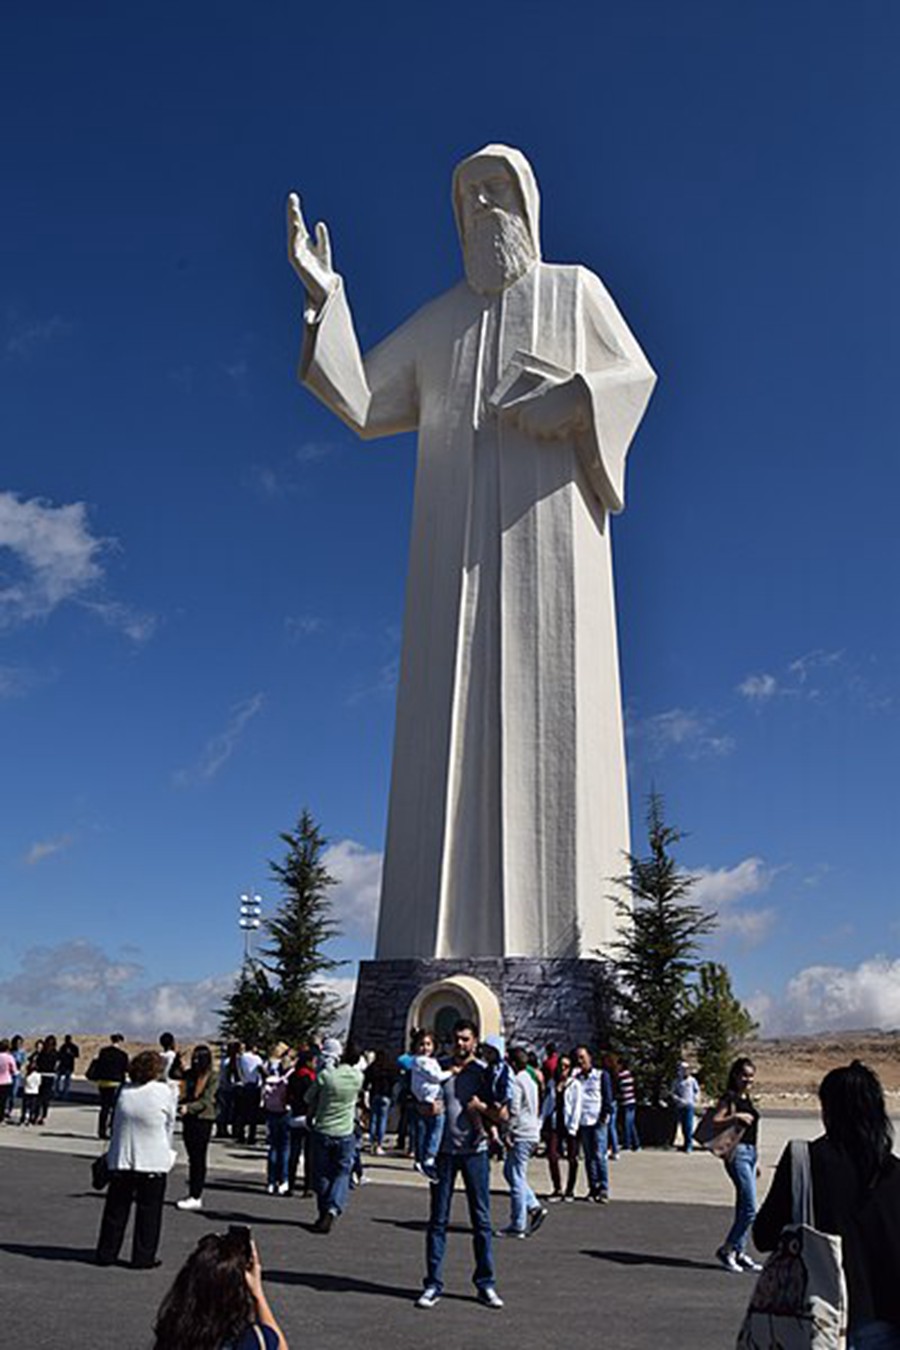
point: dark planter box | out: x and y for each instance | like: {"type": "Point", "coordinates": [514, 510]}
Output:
{"type": "Point", "coordinates": [656, 1126]}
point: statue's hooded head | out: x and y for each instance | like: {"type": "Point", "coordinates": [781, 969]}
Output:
{"type": "Point", "coordinates": [497, 204]}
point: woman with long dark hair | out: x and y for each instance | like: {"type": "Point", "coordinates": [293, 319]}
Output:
{"type": "Point", "coordinates": [735, 1107]}
{"type": "Point", "coordinates": [46, 1063]}
{"type": "Point", "coordinates": [218, 1300]}
{"type": "Point", "coordinates": [198, 1114]}
{"type": "Point", "coordinates": [856, 1194]}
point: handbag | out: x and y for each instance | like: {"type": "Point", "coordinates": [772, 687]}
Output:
{"type": "Point", "coordinates": [800, 1298]}
{"type": "Point", "coordinates": [720, 1140]}
{"type": "Point", "coordinates": [100, 1173]}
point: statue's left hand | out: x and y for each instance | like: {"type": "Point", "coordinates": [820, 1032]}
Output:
{"type": "Point", "coordinates": [555, 412]}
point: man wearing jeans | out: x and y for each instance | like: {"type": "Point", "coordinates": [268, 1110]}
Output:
{"type": "Point", "coordinates": [331, 1100]}
{"type": "Point", "coordinates": [526, 1212]}
{"type": "Point", "coordinates": [596, 1109]}
{"type": "Point", "coordinates": [469, 1109]}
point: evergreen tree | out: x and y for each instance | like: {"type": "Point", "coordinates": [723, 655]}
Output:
{"type": "Point", "coordinates": [294, 956]}
{"type": "Point", "coordinates": [657, 957]}
{"type": "Point", "coordinates": [249, 1012]}
{"type": "Point", "coordinates": [719, 1024]}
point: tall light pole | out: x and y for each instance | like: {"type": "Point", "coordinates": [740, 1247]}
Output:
{"type": "Point", "coordinates": [250, 920]}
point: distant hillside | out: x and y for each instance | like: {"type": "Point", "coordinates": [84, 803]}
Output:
{"type": "Point", "coordinates": [789, 1067]}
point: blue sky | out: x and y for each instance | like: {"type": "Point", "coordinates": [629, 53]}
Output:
{"type": "Point", "coordinates": [201, 572]}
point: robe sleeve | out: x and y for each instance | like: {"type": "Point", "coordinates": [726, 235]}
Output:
{"type": "Point", "coordinates": [618, 381]}
{"type": "Point", "coordinates": [376, 395]}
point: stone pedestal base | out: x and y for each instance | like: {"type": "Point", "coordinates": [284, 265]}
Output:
{"type": "Point", "coordinates": [529, 1001]}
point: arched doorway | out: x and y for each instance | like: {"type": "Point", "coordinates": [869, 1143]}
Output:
{"type": "Point", "coordinates": [442, 1003]}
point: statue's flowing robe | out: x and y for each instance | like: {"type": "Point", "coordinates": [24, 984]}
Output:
{"type": "Point", "coordinates": [508, 809]}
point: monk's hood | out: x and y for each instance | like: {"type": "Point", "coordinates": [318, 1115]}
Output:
{"type": "Point", "coordinates": [517, 165]}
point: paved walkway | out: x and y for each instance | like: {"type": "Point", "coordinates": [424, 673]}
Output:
{"type": "Point", "coordinates": [664, 1176]}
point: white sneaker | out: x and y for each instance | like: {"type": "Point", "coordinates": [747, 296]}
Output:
{"type": "Point", "coordinates": [489, 1297]}
{"type": "Point", "coordinates": [746, 1262]}
{"type": "Point", "coordinates": [270, 1189]}
{"type": "Point", "coordinates": [727, 1259]}
{"type": "Point", "coordinates": [189, 1203]}
{"type": "Point", "coordinates": [283, 1188]}
{"type": "Point", "coordinates": [429, 1296]}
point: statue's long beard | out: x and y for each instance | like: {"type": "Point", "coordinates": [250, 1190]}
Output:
{"type": "Point", "coordinates": [497, 251]}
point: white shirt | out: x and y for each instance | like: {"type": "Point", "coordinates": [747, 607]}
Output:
{"type": "Point", "coordinates": [143, 1125]}
{"type": "Point", "coordinates": [249, 1065]}
{"type": "Point", "coordinates": [426, 1078]}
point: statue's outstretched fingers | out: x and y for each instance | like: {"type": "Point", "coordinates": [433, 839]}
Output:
{"type": "Point", "coordinates": [297, 230]}
{"type": "Point", "coordinates": [323, 244]}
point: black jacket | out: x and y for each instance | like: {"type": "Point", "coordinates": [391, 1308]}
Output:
{"type": "Point", "coordinates": [867, 1219]}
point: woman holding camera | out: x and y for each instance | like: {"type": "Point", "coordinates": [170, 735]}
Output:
{"type": "Point", "coordinates": [218, 1300]}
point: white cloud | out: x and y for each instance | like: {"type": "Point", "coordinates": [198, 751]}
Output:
{"type": "Point", "coordinates": [46, 848]}
{"type": "Point", "coordinates": [27, 335]}
{"type": "Point", "coordinates": [310, 451]}
{"type": "Point", "coordinates": [724, 889]}
{"type": "Point", "coordinates": [55, 556]}
{"type": "Point", "coordinates": [220, 747]}
{"type": "Point", "coordinates": [84, 989]}
{"type": "Point", "coordinates": [836, 998]}
{"type": "Point", "coordinates": [297, 626]}
{"type": "Point", "coordinates": [679, 730]}
{"type": "Point", "coordinates": [357, 871]}
{"type": "Point", "coordinates": [383, 685]}
{"type": "Point", "coordinates": [758, 688]}
{"type": "Point", "coordinates": [137, 626]}
{"type": "Point", "coordinates": [821, 677]}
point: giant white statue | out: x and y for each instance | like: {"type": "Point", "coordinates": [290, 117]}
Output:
{"type": "Point", "coordinates": [508, 807]}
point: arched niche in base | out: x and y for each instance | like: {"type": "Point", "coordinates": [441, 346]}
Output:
{"type": "Point", "coordinates": [438, 1005]}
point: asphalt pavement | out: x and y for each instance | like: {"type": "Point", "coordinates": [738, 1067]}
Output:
{"type": "Point", "coordinates": [634, 1275]}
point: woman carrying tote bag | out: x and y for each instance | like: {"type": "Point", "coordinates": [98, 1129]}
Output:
{"type": "Point", "coordinates": [735, 1107]}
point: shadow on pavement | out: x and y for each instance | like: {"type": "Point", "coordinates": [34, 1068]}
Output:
{"type": "Point", "coordinates": [649, 1259]}
{"type": "Point", "coordinates": [83, 1255]}
{"type": "Point", "coordinates": [253, 1220]}
{"type": "Point", "coordinates": [420, 1225]}
{"type": "Point", "coordinates": [343, 1284]}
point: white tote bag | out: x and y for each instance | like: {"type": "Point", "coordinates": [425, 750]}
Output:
{"type": "Point", "coordinates": [800, 1299]}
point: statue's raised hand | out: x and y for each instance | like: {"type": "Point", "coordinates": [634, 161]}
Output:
{"type": "Point", "coordinates": [311, 260]}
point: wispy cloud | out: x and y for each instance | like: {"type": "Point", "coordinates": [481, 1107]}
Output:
{"type": "Point", "coordinates": [357, 871]}
{"type": "Point", "coordinates": [299, 626]}
{"type": "Point", "coordinates": [310, 451]}
{"type": "Point", "coordinates": [238, 373]}
{"type": "Point", "coordinates": [220, 747]}
{"type": "Point", "coordinates": [724, 890]}
{"type": "Point", "coordinates": [818, 677]}
{"type": "Point", "coordinates": [682, 731]}
{"type": "Point", "coordinates": [137, 626]}
{"type": "Point", "coordinates": [54, 556]}
{"type": "Point", "coordinates": [382, 685]}
{"type": "Point", "coordinates": [835, 998]}
{"type": "Point", "coordinates": [758, 688]}
{"type": "Point", "coordinates": [46, 848]}
{"type": "Point", "coordinates": [26, 336]}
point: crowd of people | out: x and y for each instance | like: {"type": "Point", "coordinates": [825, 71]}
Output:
{"type": "Point", "coordinates": [322, 1106]}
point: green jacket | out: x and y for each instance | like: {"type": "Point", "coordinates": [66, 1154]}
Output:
{"type": "Point", "coordinates": [204, 1106]}
{"type": "Point", "coordinates": [332, 1099]}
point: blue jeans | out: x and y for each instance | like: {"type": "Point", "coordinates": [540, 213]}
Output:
{"type": "Point", "coordinates": [378, 1118]}
{"type": "Point", "coordinates": [332, 1159]}
{"type": "Point", "coordinates": [521, 1197]}
{"type": "Point", "coordinates": [629, 1128]}
{"type": "Point", "coordinates": [594, 1145]}
{"type": "Point", "coordinates": [278, 1135]}
{"type": "Point", "coordinates": [476, 1175]}
{"type": "Point", "coordinates": [741, 1167]}
{"type": "Point", "coordinates": [429, 1133]}
{"type": "Point", "coordinates": [613, 1135]}
{"type": "Point", "coordinates": [686, 1121]}
{"type": "Point", "coordinates": [874, 1336]}
{"type": "Point", "coordinates": [63, 1085]}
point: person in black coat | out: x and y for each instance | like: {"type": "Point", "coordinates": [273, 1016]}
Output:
{"type": "Point", "coordinates": [856, 1195]}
